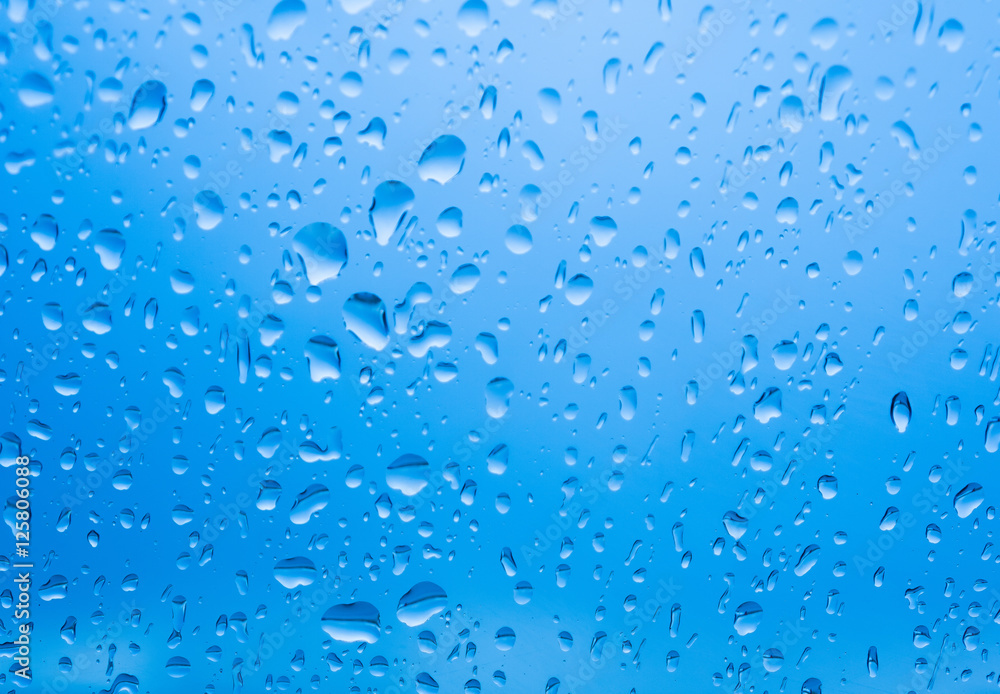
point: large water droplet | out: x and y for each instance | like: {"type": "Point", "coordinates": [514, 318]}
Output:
{"type": "Point", "coordinates": [735, 524]}
{"type": "Point", "coordinates": [409, 474]}
{"type": "Point", "coordinates": [968, 499]}
{"type": "Point", "coordinates": [286, 17]}
{"type": "Point", "coordinates": [322, 248]}
{"type": "Point", "coordinates": [836, 82]}
{"type": "Point", "coordinates": [473, 17]}
{"type": "Point", "coordinates": [442, 160]}
{"type": "Point", "coordinates": [768, 406]}
{"type": "Point", "coordinates": [35, 90]}
{"type": "Point", "coordinates": [323, 358]}
{"type": "Point", "coordinates": [311, 501]}
{"type": "Point", "coordinates": [352, 622]}
{"type": "Point", "coordinates": [824, 33]}
{"type": "Point", "coordinates": [747, 618]}
{"type": "Point", "coordinates": [208, 208]}
{"type": "Point", "coordinates": [391, 202]}
{"type": "Point", "coordinates": [578, 289]}
{"type": "Point", "coordinates": [807, 560]}
{"type": "Point", "coordinates": [420, 603]}
{"type": "Point", "coordinates": [295, 572]}
{"type": "Point", "coordinates": [110, 246]}
{"type": "Point", "coordinates": [498, 393]}
{"type": "Point", "coordinates": [148, 105]}
{"type": "Point", "coordinates": [365, 317]}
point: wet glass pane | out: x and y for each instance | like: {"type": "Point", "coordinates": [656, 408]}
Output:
{"type": "Point", "coordinates": [556, 346]}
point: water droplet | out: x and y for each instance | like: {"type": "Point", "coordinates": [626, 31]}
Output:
{"type": "Point", "coordinates": [365, 318]}
{"type": "Point", "coordinates": [391, 202]}
{"type": "Point", "coordinates": [420, 603]}
{"type": "Point", "coordinates": [473, 17]}
{"type": "Point", "coordinates": [747, 618]}
{"type": "Point", "coordinates": [900, 411]}
{"type": "Point", "coordinates": [295, 572]}
{"type": "Point", "coordinates": [35, 90]}
{"type": "Point", "coordinates": [408, 474]}
{"type": "Point", "coordinates": [352, 622]}
{"type": "Point", "coordinates": [442, 160]}
{"type": "Point", "coordinates": [208, 208]}
{"type": "Point", "coordinates": [322, 249]}
{"type": "Point", "coordinates": [968, 499]}
{"type": "Point", "coordinates": [286, 17]}
{"type": "Point", "coordinates": [768, 406]}
{"type": "Point", "coordinates": [148, 105]}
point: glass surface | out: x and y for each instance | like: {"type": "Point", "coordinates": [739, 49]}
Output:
{"type": "Point", "coordinates": [559, 346]}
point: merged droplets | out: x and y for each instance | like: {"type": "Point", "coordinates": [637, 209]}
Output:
{"type": "Point", "coordinates": [498, 394]}
{"type": "Point", "coordinates": [791, 113]}
{"type": "Point", "coordinates": [353, 622]}
{"type": "Point", "coordinates": [602, 230]}
{"type": "Point", "coordinates": [308, 503]}
{"type": "Point", "coordinates": [208, 208]}
{"type": "Point", "coordinates": [365, 318]}
{"type": "Point", "coordinates": [295, 572]}
{"type": "Point", "coordinates": [827, 486]}
{"type": "Point", "coordinates": [110, 247]}
{"type": "Point", "coordinates": [735, 524]}
{"type": "Point", "coordinates": [968, 499]}
{"type": "Point", "coordinates": [215, 399]}
{"type": "Point", "coordinates": [408, 474]}
{"type": "Point", "coordinates": [323, 357]}
{"type": "Point", "coordinates": [747, 618]}
{"type": "Point", "coordinates": [761, 461]}
{"type": "Point", "coordinates": [837, 80]}
{"type": "Point", "coordinates": [904, 135]}
{"type": "Point", "coordinates": [68, 384]}
{"type": "Point", "coordinates": [322, 249]}
{"type": "Point", "coordinates": [768, 406]}
{"type": "Point", "coordinates": [45, 232]}
{"type": "Point", "coordinates": [420, 603]}
{"type": "Point", "coordinates": [390, 203]}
